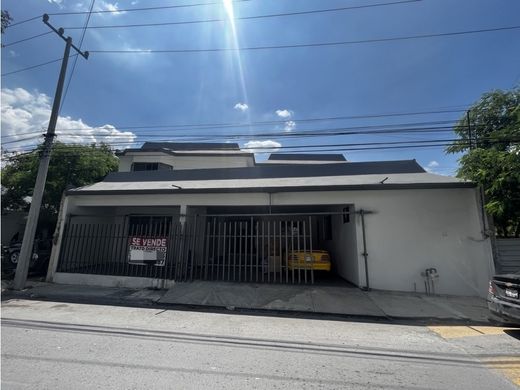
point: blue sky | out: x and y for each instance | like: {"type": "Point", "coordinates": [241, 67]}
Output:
{"type": "Point", "coordinates": [111, 91]}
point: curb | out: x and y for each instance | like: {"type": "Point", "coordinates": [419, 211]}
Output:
{"type": "Point", "coordinates": [147, 303]}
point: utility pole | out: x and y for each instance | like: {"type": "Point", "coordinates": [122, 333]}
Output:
{"type": "Point", "coordinates": [24, 259]}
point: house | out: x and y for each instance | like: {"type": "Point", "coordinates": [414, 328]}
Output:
{"type": "Point", "coordinates": [191, 211]}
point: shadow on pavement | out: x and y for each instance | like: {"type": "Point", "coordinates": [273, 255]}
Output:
{"type": "Point", "coordinates": [515, 333]}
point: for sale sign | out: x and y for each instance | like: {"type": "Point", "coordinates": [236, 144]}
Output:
{"type": "Point", "coordinates": [147, 250]}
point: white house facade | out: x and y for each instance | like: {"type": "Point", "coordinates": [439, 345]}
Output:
{"type": "Point", "coordinates": [181, 212]}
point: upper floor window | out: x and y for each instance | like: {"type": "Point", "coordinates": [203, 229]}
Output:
{"type": "Point", "coordinates": [151, 166]}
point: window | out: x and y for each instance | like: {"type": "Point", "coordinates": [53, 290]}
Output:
{"type": "Point", "coordinates": [150, 166]}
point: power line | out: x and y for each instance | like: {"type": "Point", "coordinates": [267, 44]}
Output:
{"type": "Point", "coordinates": [302, 134]}
{"type": "Point", "coordinates": [122, 10]}
{"type": "Point", "coordinates": [21, 140]}
{"type": "Point", "coordinates": [138, 138]}
{"type": "Point", "coordinates": [304, 120]}
{"type": "Point", "coordinates": [18, 134]}
{"type": "Point", "coordinates": [404, 126]}
{"type": "Point", "coordinates": [119, 10]}
{"type": "Point", "coordinates": [318, 44]}
{"type": "Point", "coordinates": [35, 66]}
{"type": "Point", "coordinates": [444, 142]}
{"type": "Point", "coordinates": [285, 14]}
{"type": "Point", "coordinates": [26, 39]}
{"type": "Point", "coordinates": [304, 149]}
{"type": "Point", "coordinates": [76, 58]}
{"type": "Point", "coordinates": [25, 21]}
{"type": "Point", "coordinates": [326, 132]}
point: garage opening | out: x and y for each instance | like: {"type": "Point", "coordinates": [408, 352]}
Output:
{"type": "Point", "coordinates": [290, 244]}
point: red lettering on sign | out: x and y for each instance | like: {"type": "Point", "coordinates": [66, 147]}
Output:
{"type": "Point", "coordinates": [149, 242]}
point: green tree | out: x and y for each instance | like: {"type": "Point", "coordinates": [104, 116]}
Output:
{"type": "Point", "coordinates": [70, 166]}
{"type": "Point", "coordinates": [492, 155]}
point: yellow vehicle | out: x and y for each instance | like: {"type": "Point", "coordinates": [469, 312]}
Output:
{"type": "Point", "coordinates": [315, 260]}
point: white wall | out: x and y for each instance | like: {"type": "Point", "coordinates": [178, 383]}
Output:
{"type": "Point", "coordinates": [412, 230]}
{"type": "Point", "coordinates": [185, 162]}
{"type": "Point", "coordinates": [343, 248]}
{"type": "Point", "coordinates": [409, 231]}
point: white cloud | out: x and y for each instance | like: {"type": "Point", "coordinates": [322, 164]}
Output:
{"type": "Point", "coordinates": [102, 5]}
{"type": "Point", "coordinates": [26, 115]}
{"type": "Point", "coordinates": [241, 107]}
{"type": "Point", "coordinates": [266, 146]}
{"type": "Point", "coordinates": [431, 167]}
{"type": "Point", "coordinates": [289, 126]}
{"type": "Point", "coordinates": [284, 113]}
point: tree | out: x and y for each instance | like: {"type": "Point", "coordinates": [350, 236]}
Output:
{"type": "Point", "coordinates": [490, 142]}
{"type": "Point", "coordinates": [70, 165]}
{"type": "Point", "coordinates": [6, 20]}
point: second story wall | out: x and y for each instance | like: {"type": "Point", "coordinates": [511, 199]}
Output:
{"type": "Point", "coordinates": [186, 161]}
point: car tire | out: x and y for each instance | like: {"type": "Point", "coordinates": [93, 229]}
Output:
{"type": "Point", "coordinates": [13, 257]}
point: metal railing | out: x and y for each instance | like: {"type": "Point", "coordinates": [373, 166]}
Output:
{"type": "Point", "coordinates": [238, 248]}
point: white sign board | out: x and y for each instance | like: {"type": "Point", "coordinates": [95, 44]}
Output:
{"type": "Point", "coordinates": [147, 250]}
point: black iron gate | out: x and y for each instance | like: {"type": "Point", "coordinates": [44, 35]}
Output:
{"type": "Point", "coordinates": [239, 248]}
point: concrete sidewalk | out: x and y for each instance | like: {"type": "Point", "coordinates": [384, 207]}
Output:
{"type": "Point", "coordinates": [330, 300]}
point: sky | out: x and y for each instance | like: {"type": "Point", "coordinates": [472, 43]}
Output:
{"type": "Point", "coordinates": [271, 96]}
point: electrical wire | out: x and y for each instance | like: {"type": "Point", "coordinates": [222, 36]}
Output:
{"type": "Point", "coordinates": [386, 144]}
{"type": "Point", "coordinates": [285, 14]}
{"type": "Point", "coordinates": [20, 140]}
{"type": "Point", "coordinates": [119, 10]}
{"type": "Point", "coordinates": [312, 133]}
{"type": "Point", "coordinates": [62, 155]}
{"type": "Point", "coordinates": [35, 66]}
{"type": "Point", "coordinates": [200, 126]}
{"type": "Point", "coordinates": [26, 39]}
{"type": "Point", "coordinates": [404, 126]}
{"type": "Point", "coordinates": [123, 10]}
{"type": "Point", "coordinates": [318, 44]}
{"type": "Point", "coordinates": [25, 21]}
{"type": "Point", "coordinates": [327, 132]}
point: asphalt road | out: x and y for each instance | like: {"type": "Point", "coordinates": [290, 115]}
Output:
{"type": "Point", "coordinates": [76, 346]}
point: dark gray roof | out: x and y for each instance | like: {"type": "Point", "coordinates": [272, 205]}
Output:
{"type": "Point", "coordinates": [306, 157]}
{"type": "Point", "coordinates": [272, 171]}
{"type": "Point", "coordinates": [190, 146]}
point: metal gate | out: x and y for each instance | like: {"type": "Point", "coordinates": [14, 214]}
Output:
{"type": "Point", "coordinates": [239, 248]}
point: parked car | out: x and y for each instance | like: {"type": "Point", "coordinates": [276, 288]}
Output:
{"type": "Point", "coordinates": [504, 297]}
{"type": "Point", "coordinates": [316, 260]}
{"type": "Point", "coordinates": [39, 260]}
